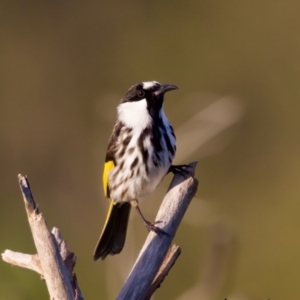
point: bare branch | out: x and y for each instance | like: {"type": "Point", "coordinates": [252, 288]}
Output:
{"type": "Point", "coordinates": [170, 214]}
{"type": "Point", "coordinates": [54, 261]}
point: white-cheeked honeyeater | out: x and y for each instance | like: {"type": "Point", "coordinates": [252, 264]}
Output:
{"type": "Point", "coordinates": [139, 154]}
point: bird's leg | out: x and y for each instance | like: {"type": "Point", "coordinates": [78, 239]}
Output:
{"type": "Point", "coordinates": [149, 225]}
{"type": "Point", "coordinates": [181, 169]}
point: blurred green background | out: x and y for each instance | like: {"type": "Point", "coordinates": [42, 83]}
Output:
{"type": "Point", "coordinates": [64, 68]}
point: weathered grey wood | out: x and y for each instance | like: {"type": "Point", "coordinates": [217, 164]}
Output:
{"type": "Point", "coordinates": [54, 270]}
{"type": "Point", "coordinates": [28, 261]}
{"type": "Point", "coordinates": [32, 261]}
{"type": "Point", "coordinates": [55, 262]}
{"type": "Point", "coordinates": [172, 255]}
{"type": "Point", "coordinates": [181, 191]}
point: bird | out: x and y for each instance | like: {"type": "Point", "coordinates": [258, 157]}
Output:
{"type": "Point", "coordinates": [140, 152]}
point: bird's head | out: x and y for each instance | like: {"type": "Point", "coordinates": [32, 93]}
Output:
{"type": "Point", "coordinates": [144, 100]}
{"type": "Point", "coordinates": [150, 91]}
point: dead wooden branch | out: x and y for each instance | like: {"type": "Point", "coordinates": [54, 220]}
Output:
{"type": "Point", "coordinates": [54, 261]}
{"type": "Point", "coordinates": [181, 191]}
{"type": "Point", "coordinates": [168, 263]}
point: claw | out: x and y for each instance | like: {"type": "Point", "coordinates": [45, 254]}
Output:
{"type": "Point", "coordinates": [181, 169]}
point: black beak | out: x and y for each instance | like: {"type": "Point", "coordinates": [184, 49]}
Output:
{"type": "Point", "coordinates": [165, 88]}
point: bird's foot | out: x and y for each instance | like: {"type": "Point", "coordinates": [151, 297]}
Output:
{"type": "Point", "coordinates": [151, 227]}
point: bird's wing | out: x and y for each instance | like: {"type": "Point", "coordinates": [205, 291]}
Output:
{"type": "Point", "coordinates": [110, 161]}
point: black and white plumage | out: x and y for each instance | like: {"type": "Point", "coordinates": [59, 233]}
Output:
{"type": "Point", "coordinates": [140, 153]}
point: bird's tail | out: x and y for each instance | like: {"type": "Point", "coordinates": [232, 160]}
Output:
{"type": "Point", "coordinates": [113, 235]}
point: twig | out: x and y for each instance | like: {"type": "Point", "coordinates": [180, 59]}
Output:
{"type": "Point", "coordinates": [170, 214]}
{"type": "Point", "coordinates": [31, 262]}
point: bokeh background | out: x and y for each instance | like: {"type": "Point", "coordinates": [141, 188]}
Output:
{"type": "Point", "coordinates": [64, 68]}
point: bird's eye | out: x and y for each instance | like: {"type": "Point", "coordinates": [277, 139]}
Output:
{"type": "Point", "coordinates": [141, 93]}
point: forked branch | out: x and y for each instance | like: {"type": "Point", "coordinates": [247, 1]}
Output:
{"type": "Point", "coordinates": [55, 262]}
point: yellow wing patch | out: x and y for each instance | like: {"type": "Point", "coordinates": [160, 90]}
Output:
{"type": "Point", "coordinates": [107, 167]}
